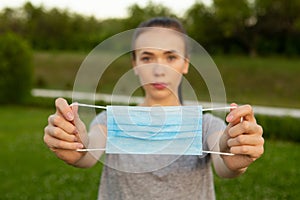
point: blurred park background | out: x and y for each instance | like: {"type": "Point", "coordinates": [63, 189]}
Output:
{"type": "Point", "coordinates": [254, 43]}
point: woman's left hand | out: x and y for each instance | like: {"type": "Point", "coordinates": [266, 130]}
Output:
{"type": "Point", "coordinates": [242, 137]}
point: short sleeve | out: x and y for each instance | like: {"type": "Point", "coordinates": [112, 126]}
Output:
{"type": "Point", "coordinates": [210, 125]}
{"type": "Point", "coordinates": [100, 119]}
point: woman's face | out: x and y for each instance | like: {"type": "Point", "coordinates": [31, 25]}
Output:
{"type": "Point", "coordinates": [160, 62]}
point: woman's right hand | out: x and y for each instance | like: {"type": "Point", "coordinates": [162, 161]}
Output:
{"type": "Point", "coordinates": [65, 133]}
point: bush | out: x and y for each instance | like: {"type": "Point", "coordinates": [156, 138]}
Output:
{"type": "Point", "coordinates": [16, 69]}
{"type": "Point", "coordinates": [280, 128]}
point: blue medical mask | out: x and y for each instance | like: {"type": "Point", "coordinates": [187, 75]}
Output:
{"type": "Point", "coordinates": [172, 130]}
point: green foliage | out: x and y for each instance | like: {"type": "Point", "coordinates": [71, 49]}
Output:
{"type": "Point", "coordinates": [196, 21]}
{"type": "Point", "coordinates": [139, 14]}
{"type": "Point", "coordinates": [280, 128]}
{"type": "Point", "coordinates": [56, 29]}
{"type": "Point", "coordinates": [277, 26]}
{"type": "Point", "coordinates": [226, 26]}
{"type": "Point", "coordinates": [15, 69]}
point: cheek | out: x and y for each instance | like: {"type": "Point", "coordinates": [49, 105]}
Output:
{"type": "Point", "coordinates": [180, 66]}
{"type": "Point", "coordinates": [176, 71]}
{"type": "Point", "coordinates": [174, 76]}
{"type": "Point", "coordinates": [144, 75]}
{"type": "Point", "coordinates": [177, 79]}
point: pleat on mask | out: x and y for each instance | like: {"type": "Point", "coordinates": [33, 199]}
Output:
{"type": "Point", "coordinates": [171, 130]}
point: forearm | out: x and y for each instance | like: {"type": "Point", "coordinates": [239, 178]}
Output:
{"type": "Point", "coordinates": [97, 139]}
{"type": "Point", "coordinates": [220, 165]}
{"type": "Point", "coordinates": [87, 161]}
{"type": "Point", "coordinates": [222, 169]}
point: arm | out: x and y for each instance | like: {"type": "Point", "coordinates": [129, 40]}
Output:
{"type": "Point", "coordinates": [97, 139]}
{"type": "Point", "coordinates": [220, 167]}
{"type": "Point", "coordinates": [242, 138]}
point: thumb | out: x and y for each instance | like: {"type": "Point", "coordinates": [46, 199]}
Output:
{"type": "Point", "coordinates": [75, 111]}
{"type": "Point", "coordinates": [223, 140]}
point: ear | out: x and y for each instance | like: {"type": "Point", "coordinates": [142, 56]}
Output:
{"type": "Point", "coordinates": [185, 69]}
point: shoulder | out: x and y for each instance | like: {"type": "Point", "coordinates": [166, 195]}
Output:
{"type": "Point", "coordinates": [100, 119]}
{"type": "Point", "coordinates": [208, 118]}
{"type": "Point", "coordinates": [212, 123]}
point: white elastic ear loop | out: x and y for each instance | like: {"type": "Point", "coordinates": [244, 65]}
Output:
{"type": "Point", "coordinates": [212, 152]}
{"type": "Point", "coordinates": [220, 108]}
{"type": "Point", "coordinates": [87, 105]}
{"type": "Point", "coordinates": [104, 107]}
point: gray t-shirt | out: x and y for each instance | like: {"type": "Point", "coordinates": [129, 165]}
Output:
{"type": "Point", "coordinates": [175, 177]}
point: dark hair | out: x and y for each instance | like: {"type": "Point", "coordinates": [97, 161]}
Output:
{"type": "Point", "coordinates": [163, 22]}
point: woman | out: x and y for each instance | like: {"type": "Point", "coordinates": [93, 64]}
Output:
{"type": "Point", "coordinates": [163, 54]}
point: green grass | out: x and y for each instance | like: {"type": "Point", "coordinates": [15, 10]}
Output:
{"type": "Point", "coordinates": [28, 170]}
{"type": "Point", "coordinates": [56, 70]}
{"type": "Point", "coordinates": [273, 176]}
{"type": "Point", "coordinates": [263, 81]}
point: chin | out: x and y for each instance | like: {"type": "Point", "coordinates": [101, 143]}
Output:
{"type": "Point", "coordinates": [161, 95]}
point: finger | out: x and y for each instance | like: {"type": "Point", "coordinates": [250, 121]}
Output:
{"type": "Point", "coordinates": [58, 121]}
{"type": "Point", "coordinates": [233, 105]}
{"type": "Point", "coordinates": [53, 142]}
{"type": "Point", "coordinates": [64, 109]}
{"type": "Point", "coordinates": [245, 140]}
{"type": "Point", "coordinates": [75, 110]}
{"type": "Point", "coordinates": [60, 134]}
{"type": "Point", "coordinates": [252, 151]}
{"type": "Point", "coordinates": [245, 127]}
{"type": "Point", "coordinates": [245, 111]}
{"type": "Point", "coordinates": [81, 128]}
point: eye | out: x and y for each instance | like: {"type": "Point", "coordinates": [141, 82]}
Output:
{"type": "Point", "coordinates": [171, 58]}
{"type": "Point", "coordinates": [145, 59]}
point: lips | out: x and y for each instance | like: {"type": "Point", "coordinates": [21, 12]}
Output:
{"type": "Point", "coordinates": [159, 86]}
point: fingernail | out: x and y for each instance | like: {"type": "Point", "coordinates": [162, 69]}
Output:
{"type": "Point", "coordinates": [75, 139]}
{"type": "Point", "coordinates": [229, 118]}
{"type": "Point", "coordinates": [75, 132]}
{"type": "Point", "coordinates": [70, 116]}
{"type": "Point", "coordinates": [80, 146]}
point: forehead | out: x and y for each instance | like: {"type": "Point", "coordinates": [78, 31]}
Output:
{"type": "Point", "coordinates": [161, 39]}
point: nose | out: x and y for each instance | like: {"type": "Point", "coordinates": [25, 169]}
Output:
{"type": "Point", "coordinates": [159, 69]}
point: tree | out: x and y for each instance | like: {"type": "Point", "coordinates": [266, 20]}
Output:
{"type": "Point", "coordinates": [234, 17]}
{"type": "Point", "coordinates": [202, 26]}
{"type": "Point", "coordinates": [277, 24]}
{"type": "Point", "coordinates": [15, 69]}
{"type": "Point", "coordinates": [138, 14]}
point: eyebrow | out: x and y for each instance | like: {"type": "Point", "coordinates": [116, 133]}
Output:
{"type": "Point", "coordinates": [166, 52]}
{"type": "Point", "coordinates": [146, 53]}
{"type": "Point", "coordinates": [171, 52]}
